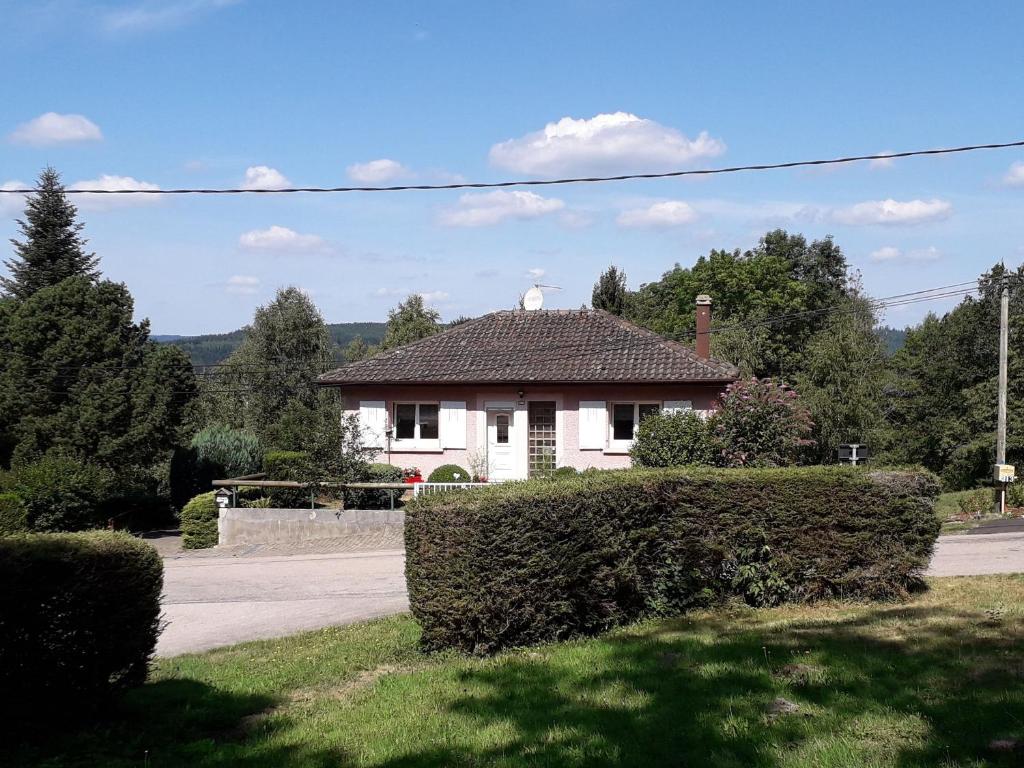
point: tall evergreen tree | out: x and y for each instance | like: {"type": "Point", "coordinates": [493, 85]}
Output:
{"type": "Point", "coordinates": [275, 368]}
{"type": "Point", "coordinates": [610, 291]}
{"type": "Point", "coordinates": [53, 248]}
{"type": "Point", "coordinates": [410, 321]}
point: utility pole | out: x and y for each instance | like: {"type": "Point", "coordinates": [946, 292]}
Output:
{"type": "Point", "coordinates": [1004, 336]}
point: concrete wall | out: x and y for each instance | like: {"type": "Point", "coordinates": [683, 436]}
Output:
{"type": "Point", "coordinates": [281, 526]}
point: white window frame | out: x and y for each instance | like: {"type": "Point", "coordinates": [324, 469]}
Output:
{"type": "Point", "coordinates": [415, 443]}
{"type": "Point", "coordinates": [623, 446]}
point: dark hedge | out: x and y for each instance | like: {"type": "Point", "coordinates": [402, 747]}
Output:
{"type": "Point", "coordinates": [79, 619]}
{"type": "Point", "coordinates": [524, 563]}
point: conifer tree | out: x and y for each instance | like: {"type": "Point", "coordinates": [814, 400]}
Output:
{"type": "Point", "coordinates": [610, 291]}
{"type": "Point", "coordinates": [53, 248]}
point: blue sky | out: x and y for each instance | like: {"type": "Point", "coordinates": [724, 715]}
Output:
{"type": "Point", "coordinates": [222, 93]}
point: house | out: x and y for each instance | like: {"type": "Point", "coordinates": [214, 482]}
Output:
{"type": "Point", "coordinates": [517, 393]}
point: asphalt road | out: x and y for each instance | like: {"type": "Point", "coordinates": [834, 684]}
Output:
{"type": "Point", "coordinates": [212, 601]}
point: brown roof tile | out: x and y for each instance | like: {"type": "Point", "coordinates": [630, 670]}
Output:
{"type": "Point", "coordinates": [540, 346]}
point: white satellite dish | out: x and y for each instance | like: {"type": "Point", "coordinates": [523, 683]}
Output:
{"type": "Point", "coordinates": [533, 299]}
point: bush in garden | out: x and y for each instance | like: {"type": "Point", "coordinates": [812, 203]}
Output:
{"type": "Point", "coordinates": [761, 423]}
{"type": "Point", "coordinates": [563, 472]}
{"type": "Point", "coordinates": [62, 494]}
{"type": "Point", "coordinates": [1015, 494]}
{"type": "Point", "coordinates": [675, 439]}
{"type": "Point", "coordinates": [977, 503]}
{"type": "Point", "coordinates": [199, 522]}
{"type": "Point", "coordinates": [216, 452]}
{"type": "Point", "coordinates": [79, 619]}
{"type": "Point", "coordinates": [369, 499]}
{"type": "Point", "coordinates": [449, 473]}
{"type": "Point", "coordinates": [288, 465]}
{"type": "Point", "coordinates": [13, 514]}
{"type": "Point", "coordinates": [521, 563]}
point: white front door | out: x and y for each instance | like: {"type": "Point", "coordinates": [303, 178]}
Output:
{"type": "Point", "coordinates": [501, 460]}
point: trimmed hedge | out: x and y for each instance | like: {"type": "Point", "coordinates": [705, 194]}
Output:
{"type": "Point", "coordinates": [446, 473]}
{"type": "Point", "coordinates": [523, 563]}
{"type": "Point", "coordinates": [288, 465]}
{"type": "Point", "coordinates": [79, 619]}
{"type": "Point", "coordinates": [199, 522]}
{"type": "Point", "coordinates": [62, 494]}
{"type": "Point", "coordinates": [367, 499]}
{"type": "Point", "coordinates": [13, 514]}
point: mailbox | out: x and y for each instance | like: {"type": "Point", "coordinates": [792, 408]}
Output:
{"type": "Point", "coordinates": [1004, 473]}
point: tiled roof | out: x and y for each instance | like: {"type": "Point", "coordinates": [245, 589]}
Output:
{"type": "Point", "coordinates": [539, 346]}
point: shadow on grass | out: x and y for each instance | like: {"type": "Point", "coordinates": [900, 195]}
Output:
{"type": "Point", "coordinates": [698, 693]}
{"type": "Point", "coordinates": [171, 723]}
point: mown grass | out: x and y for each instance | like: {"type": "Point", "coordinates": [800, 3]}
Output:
{"type": "Point", "coordinates": [931, 682]}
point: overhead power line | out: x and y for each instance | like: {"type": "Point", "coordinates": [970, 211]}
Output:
{"type": "Point", "coordinates": [538, 182]}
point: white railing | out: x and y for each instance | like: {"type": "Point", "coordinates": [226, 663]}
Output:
{"type": "Point", "coordinates": [426, 489]}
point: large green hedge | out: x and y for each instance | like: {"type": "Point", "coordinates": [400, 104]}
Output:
{"type": "Point", "coordinates": [79, 619]}
{"type": "Point", "coordinates": [523, 563]}
{"type": "Point", "coordinates": [13, 514]}
{"type": "Point", "coordinates": [199, 522]}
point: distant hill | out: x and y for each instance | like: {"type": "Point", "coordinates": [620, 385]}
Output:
{"type": "Point", "coordinates": [212, 348]}
{"type": "Point", "coordinates": [893, 338]}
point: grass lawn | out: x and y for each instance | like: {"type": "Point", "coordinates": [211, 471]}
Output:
{"type": "Point", "coordinates": [947, 507]}
{"type": "Point", "coordinates": [927, 683]}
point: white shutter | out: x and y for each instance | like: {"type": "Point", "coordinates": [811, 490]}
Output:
{"type": "Point", "coordinates": [453, 424]}
{"type": "Point", "coordinates": [674, 406]}
{"type": "Point", "coordinates": [373, 418]}
{"type": "Point", "coordinates": [593, 418]}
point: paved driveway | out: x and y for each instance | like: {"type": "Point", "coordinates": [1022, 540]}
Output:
{"type": "Point", "coordinates": [213, 599]}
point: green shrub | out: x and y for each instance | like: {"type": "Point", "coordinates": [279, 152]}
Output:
{"type": "Point", "coordinates": [675, 439]}
{"type": "Point", "coordinates": [215, 453]}
{"type": "Point", "coordinates": [563, 472]}
{"type": "Point", "coordinates": [62, 494]}
{"type": "Point", "coordinates": [1015, 494]}
{"type": "Point", "coordinates": [969, 463]}
{"type": "Point", "coordinates": [288, 465]}
{"type": "Point", "coordinates": [449, 473]}
{"type": "Point", "coordinates": [367, 499]}
{"type": "Point", "coordinates": [13, 514]}
{"type": "Point", "coordinates": [522, 563]}
{"type": "Point", "coordinates": [199, 522]}
{"type": "Point", "coordinates": [977, 503]}
{"type": "Point", "coordinates": [79, 619]}
{"type": "Point", "coordinates": [761, 423]}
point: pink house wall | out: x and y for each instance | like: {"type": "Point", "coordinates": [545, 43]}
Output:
{"type": "Point", "coordinates": [567, 398]}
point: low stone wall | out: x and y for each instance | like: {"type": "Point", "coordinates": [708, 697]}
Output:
{"type": "Point", "coordinates": [282, 526]}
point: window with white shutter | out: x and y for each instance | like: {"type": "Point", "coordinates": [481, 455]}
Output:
{"type": "Point", "coordinates": [453, 424]}
{"type": "Point", "coordinates": [373, 418]}
{"type": "Point", "coordinates": [593, 419]}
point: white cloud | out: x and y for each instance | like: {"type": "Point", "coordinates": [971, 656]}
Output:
{"type": "Point", "coordinates": [894, 212]}
{"type": "Point", "coordinates": [377, 171]}
{"type": "Point", "coordinates": [100, 202]}
{"type": "Point", "coordinates": [434, 297]}
{"type": "Point", "coordinates": [1015, 175]}
{"type": "Point", "coordinates": [536, 273]}
{"type": "Point", "coordinates": [264, 177]}
{"type": "Point", "coordinates": [882, 162]}
{"type": "Point", "coordinates": [670, 213]}
{"type": "Point", "coordinates": [53, 128]}
{"type": "Point", "coordinates": [481, 210]}
{"type": "Point", "coordinates": [277, 238]}
{"type": "Point", "coordinates": [892, 253]}
{"type": "Point", "coordinates": [242, 285]}
{"type": "Point", "coordinates": [605, 143]}
{"type": "Point", "coordinates": [150, 15]}
{"type": "Point", "coordinates": [10, 203]}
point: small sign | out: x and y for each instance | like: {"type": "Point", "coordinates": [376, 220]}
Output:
{"type": "Point", "coordinates": [853, 453]}
{"type": "Point", "coordinates": [223, 497]}
{"type": "Point", "coordinates": [1004, 473]}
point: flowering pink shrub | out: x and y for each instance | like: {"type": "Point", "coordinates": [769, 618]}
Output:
{"type": "Point", "coordinates": [761, 423]}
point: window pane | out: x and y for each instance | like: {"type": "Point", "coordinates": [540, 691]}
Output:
{"type": "Point", "coordinates": [405, 421]}
{"type": "Point", "coordinates": [428, 422]}
{"type": "Point", "coordinates": [622, 421]}
{"type": "Point", "coordinates": [501, 427]}
{"type": "Point", "coordinates": [646, 409]}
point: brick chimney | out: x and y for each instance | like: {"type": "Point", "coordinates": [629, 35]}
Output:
{"type": "Point", "coordinates": [704, 326]}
